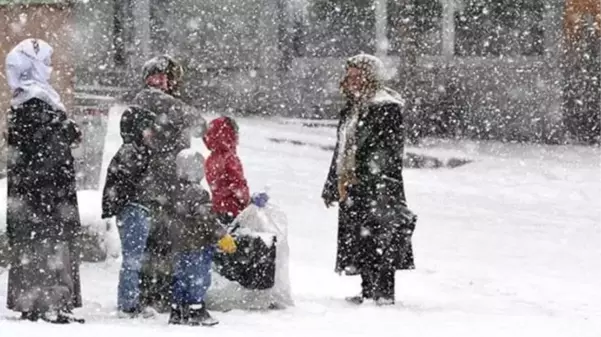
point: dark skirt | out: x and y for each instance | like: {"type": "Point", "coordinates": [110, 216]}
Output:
{"type": "Point", "coordinates": [44, 275]}
{"type": "Point", "coordinates": [364, 235]}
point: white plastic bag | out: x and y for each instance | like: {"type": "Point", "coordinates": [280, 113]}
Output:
{"type": "Point", "coordinates": [261, 222]}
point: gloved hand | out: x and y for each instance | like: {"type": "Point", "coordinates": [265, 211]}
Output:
{"type": "Point", "coordinates": [227, 244]}
{"type": "Point", "coordinates": [74, 133]}
{"type": "Point", "coordinates": [344, 182]}
{"type": "Point", "coordinates": [259, 199]}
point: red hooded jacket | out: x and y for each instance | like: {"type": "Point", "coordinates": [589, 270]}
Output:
{"type": "Point", "coordinates": [223, 168]}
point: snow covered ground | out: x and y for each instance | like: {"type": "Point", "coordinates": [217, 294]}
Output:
{"type": "Point", "coordinates": [509, 245]}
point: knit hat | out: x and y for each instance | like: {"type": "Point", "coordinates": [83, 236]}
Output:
{"type": "Point", "coordinates": [190, 165]}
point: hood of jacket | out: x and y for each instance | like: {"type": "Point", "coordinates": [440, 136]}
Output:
{"type": "Point", "coordinates": [221, 135]}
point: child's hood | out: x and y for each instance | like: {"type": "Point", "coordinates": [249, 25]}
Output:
{"type": "Point", "coordinates": [190, 165]}
{"type": "Point", "coordinates": [221, 135]}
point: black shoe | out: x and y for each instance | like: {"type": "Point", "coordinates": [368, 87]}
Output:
{"type": "Point", "coordinates": [145, 312]}
{"type": "Point", "coordinates": [61, 317]}
{"type": "Point", "coordinates": [358, 299]}
{"type": "Point", "coordinates": [384, 301]}
{"type": "Point", "coordinates": [179, 315]}
{"type": "Point", "coordinates": [199, 315]}
{"type": "Point", "coordinates": [33, 316]}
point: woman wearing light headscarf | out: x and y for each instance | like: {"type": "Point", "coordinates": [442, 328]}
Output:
{"type": "Point", "coordinates": [42, 212]}
{"type": "Point", "coordinates": [366, 180]}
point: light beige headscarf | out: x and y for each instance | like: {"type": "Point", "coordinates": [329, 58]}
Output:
{"type": "Point", "coordinates": [347, 143]}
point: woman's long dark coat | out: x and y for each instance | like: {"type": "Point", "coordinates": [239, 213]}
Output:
{"type": "Point", "coordinates": [368, 219]}
{"type": "Point", "coordinates": [42, 213]}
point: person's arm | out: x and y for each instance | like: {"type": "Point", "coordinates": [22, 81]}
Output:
{"type": "Point", "coordinates": [392, 145]}
{"type": "Point", "coordinates": [210, 227]}
{"type": "Point", "coordinates": [73, 133]}
{"type": "Point", "coordinates": [238, 182]}
{"type": "Point", "coordinates": [124, 172]}
{"type": "Point", "coordinates": [330, 188]}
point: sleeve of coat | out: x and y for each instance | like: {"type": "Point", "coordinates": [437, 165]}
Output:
{"type": "Point", "coordinates": [73, 133]}
{"type": "Point", "coordinates": [330, 187]}
{"type": "Point", "coordinates": [199, 208]}
{"type": "Point", "coordinates": [238, 182]}
{"type": "Point", "coordinates": [393, 142]}
{"type": "Point", "coordinates": [124, 170]}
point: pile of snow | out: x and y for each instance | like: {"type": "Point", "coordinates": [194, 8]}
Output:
{"type": "Point", "coordinates": [100, 235]}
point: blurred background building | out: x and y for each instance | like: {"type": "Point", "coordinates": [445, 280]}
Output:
{"type": "Point", "coordinates": [515, 70]}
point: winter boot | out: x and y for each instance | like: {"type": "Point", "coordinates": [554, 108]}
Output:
{"type": "Point", "coordinates": [30, 316]}
{"type": "Point", "coordinates": [61, 317]}
{"type": "Point", "coordinates": [145, 312]}
{"type": "Point", "coordinates": [199, 315]}
{"type": "Point", "coordinates": [179, 314]}
{"type": "Point", "coordinates": [384, 301]}
{"type": "Point", "coordinates": [357, 299]}
{"type": "Point", "coordinates": [367, 290]}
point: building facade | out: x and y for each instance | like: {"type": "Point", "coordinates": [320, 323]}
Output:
{"type": "Point", "coordinates": [487, 69]}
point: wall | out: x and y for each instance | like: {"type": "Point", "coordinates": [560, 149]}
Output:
{"type": "Point", "coordinates": [51, 23]}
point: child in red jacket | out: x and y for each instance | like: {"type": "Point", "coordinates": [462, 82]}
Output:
{"type": "Point", "coordinates": [224, 171]}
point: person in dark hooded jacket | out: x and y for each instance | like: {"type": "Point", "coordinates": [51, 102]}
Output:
{"type": "Point", "coordinates": [175, 123]}
{"type": "Point", "coordinates": [366, 179]}
{"type": "Point", "coordinates": [43, 222]}
{"type": "Point", "coordinates": [123, 196]}
{"type": "Point", "coordinates": [141, 183]}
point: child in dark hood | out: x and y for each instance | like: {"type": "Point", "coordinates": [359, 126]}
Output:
{"type": "Point", "coordinates": [224, 169]}
{"type": "Point", "coordinates": [195, 232]}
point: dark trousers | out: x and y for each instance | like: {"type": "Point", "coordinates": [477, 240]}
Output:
{"type": "Point", "coordinates": [377, 271]}
{"type": "Point", "coordinates": [378, 283]}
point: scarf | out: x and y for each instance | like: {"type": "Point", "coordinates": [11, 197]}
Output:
{"type": "Point", "coordinates": [347, 138]}
{"type": "Point", "coordinates": [28, 70]}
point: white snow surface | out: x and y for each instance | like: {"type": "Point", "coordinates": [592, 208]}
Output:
{"type": "Point", "coordinates": [509, 245]}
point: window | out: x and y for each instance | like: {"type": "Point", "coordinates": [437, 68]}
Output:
{"type": "Point", "coordinates": [340, 28]}
{"type": "Point", "coordinates": [423, 17]}
{"type": "Point", "coordinates": [122, 14]}
{"type": "Point", "coordinates": [499, 28]}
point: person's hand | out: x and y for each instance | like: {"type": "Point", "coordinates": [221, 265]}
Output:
{"type": "Point", "coordinates": [73, 133]}
{"type": "Point", "coordinates": [259, 199]}
{"type": "Point", "coordinates": [344, 183]}
{"type": "Point", "coordinates": [227, 244]}
{"type": "Point", "coordinates": [328, 202]}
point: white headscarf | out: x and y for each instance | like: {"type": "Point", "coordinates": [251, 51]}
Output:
{"type": "Point", "coordinates": [28, 70]}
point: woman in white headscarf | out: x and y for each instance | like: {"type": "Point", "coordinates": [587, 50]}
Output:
{"type": "Point", "coordinates": [42, 212]}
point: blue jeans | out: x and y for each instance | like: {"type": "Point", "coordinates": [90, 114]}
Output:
{"type": "Point", "coordinates": [192, 276]}
{"type": "Point", "coordinates": [134, 228]}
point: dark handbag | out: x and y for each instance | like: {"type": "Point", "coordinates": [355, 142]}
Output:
{"type": "Point", "coordinates": [397, 219]}
{"type": "Point", "coordinates": [252, 265]}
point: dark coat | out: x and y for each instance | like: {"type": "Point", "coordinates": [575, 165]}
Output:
{"type": "Point", "coordinates": [42, 202]}
{"type": "Point", "coordinates": [159, 182]}
{"type": "Point", "coordinates": [195, 227]}
{"type": "Point", "coordinates": [123, 178]}
{"type": "Point", "coordinates": [172, 118]}
{"type": "Point", "coordinates": [374, 215]}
